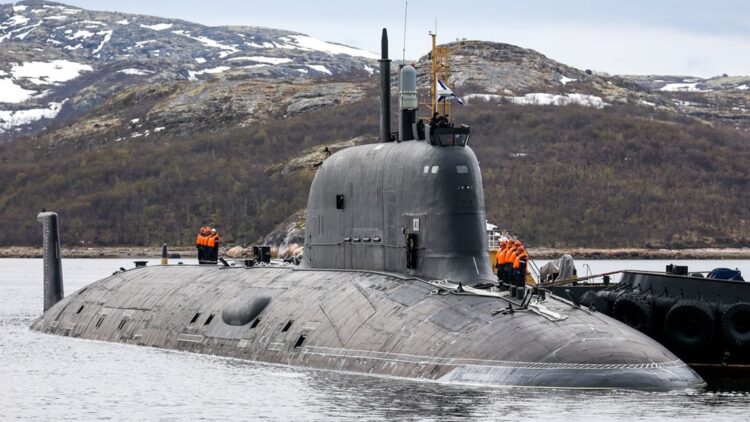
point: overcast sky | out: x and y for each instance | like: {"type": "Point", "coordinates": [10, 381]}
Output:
{"type": "Point", "coordinates": [701, 38]}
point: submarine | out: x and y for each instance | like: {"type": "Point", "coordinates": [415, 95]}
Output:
{"type": "Point", "coordinates": [395, 281]}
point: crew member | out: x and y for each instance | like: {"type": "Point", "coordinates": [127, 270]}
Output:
{"type": "Point", "coordinates": [210, 242]}
{"type": "Point", "coordinates": [500, 259]}
{"type": "Point", "coordinates": [214, 241]}
{"type": "Point", "coordinates": [200, 245]}
{"type": "Point", "coordinates": [510, 256]}
{"type": "Point", "coordinates": [519, 267]}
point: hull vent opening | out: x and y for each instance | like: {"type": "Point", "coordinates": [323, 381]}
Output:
{"type": "Point", "coordinates": [209, 319]}
{"type": "Point", "coordinates": [195, 317]}
{"type": "Point", "coordinates": [99, 322]}
{"type": "Point", "coordinates": [79, 310]}
{"type": "Point", "coordinates": [122, 323]}
{"type": "Point", "coordinates": [287, 326]}
{"type": "Point", "coordinates": [299, 342]}
{"type": "Point", "coordinates": [255, 323]}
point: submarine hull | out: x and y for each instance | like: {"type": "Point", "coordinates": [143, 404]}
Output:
{"type": "Point", "coordinates": [366, 322]}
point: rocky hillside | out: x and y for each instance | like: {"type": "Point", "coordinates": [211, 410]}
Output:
{"type": "Point", "coordinates": [140, 129]}
{"type": "Point", "coordinates": [59, 62]}
{"type": "Point", "coordinates": [508, 74]}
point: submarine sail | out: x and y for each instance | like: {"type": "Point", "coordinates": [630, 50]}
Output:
{"type": "Point", "coordinates": [395, 252]}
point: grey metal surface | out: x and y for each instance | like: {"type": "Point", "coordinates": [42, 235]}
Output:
{"type": "Point", "coordinates": [391, 190]}
{"type": "Point", "coordinates": [350, 321]}
{"type": "Point", "coordinates": [53, 281]}
{"type": "Point", "coordinates": [407, 100]}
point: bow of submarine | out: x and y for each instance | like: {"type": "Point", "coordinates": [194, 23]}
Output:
{"type": "Point", "coordinates": [587, 350]}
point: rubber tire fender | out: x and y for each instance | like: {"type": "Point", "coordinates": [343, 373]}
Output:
{"type": "Point", "coordinates": [663, 303]}
{"type": "Point", "coordinates": [588, 299]}
{"type": "Point", "coordinates": [634, 311]}
{"type": "Point", "coordinates": [735, 324]}
{"type": "Point", "coordinates": [690, 325]}
{"type": "Point", "coordinates": [604, 300]}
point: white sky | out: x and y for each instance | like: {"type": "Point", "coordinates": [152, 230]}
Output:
{"type": "Point", "coordinates": [688, 37]}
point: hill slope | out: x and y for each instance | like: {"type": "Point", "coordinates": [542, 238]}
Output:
{"type": "Point", "coordinates": [143, 148]}
{"type": "Point", "coordinates": [59, 62]}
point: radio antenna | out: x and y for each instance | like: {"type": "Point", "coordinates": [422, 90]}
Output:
{"type": "Point", "coordinates": [403, 54]}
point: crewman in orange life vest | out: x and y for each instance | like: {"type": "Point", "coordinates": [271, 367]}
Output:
{"type": "Point", "coordinates": [212, 244]}
{"type": "Point", "coordinates": [200, 244]}
{"type": "Point", "coordinates": [500, 259]}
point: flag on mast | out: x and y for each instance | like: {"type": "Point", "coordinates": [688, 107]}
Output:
{"type": "Point", "coordinates": [445, 93]}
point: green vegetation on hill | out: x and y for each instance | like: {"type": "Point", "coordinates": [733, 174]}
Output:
{"type": "Point", "coordinates": [594, 178]}
{"type": "Point", "coordinates": [613, 178]}
{"type": "Point", "coordinates": [147, 190]}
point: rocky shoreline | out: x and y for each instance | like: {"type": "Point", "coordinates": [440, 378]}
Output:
{"type": "Point", "coordinates": [98, 252]}
{"type": "Point", "coordinates": [537, 253]}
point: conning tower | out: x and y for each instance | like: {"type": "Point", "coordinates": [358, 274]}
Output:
{"type": "Point", "coordinates": [414, 206]}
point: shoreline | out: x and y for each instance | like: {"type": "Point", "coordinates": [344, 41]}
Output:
{"type": "Point", "coordinates": [536, 253]}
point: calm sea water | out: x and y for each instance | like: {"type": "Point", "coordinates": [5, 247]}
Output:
{"type": "Point", "coordinates": [44, 377]}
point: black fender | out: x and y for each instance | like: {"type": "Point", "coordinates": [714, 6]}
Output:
{"type": "Point", "coordinates": [735, 324]}
{"type": "Point", "coordinates": [690, 325]}
{"type": "Point", "coordinates": [634, 311]}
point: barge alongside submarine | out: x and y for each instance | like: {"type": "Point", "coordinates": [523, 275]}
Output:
{"type": "Point", "coordinates": [391, 284]}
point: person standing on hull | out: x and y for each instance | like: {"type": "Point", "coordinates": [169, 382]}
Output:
{"type": "Point", "coordinates": [200, 245]}
{"type": "Point", "coordinates": [500, 259]}
{"type": "Point", "coordinates": [519, 267]}
{"type": "Point", "coordinates": [214, 242]}
{"type": "Point", "coordinates": [508, 260]}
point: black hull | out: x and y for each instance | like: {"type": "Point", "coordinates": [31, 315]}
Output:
{"type": "Point", "coordinates": [366, 322]}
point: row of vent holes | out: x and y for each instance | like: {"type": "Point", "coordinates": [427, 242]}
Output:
{"type": "Point", "coordinates": [286, 328]}
{"type": "Point", "coordinates": [301, 338]}
{"type": "Point", "coordinates": [198, 314]}
{"type": "Point", "coordinates": [101, 319]}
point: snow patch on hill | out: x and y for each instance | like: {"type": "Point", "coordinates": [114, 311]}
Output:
{"type": "Point", "coordinates": [262, 59]}
{"type": "Point", "coordinates": [14, 119]}
{"type": "Point", "coordinates": [136, 72]}
{"type": "Point", "coordinates": [208, 42]}
{"type": "Point", "coordinates": [307, 42]}
{"type": "Point", "coordinates": [681, 87]}
{"type": "Point", "coordinates": [49, 73]}
{"type": "Point", "coordinates": [12, 93]}
{"type": "Point", "coordinates": [158, 26]}
{"type": "Point", "coordinates": [540, 99]}
{"type": "Point", "coordinates": [192, 75]}
{"type": "Point", "coordinates": [319, 68]}
{"type": "Point", "coordinates": [565, 80]}
{"type": "Point", "coordinates": [82, 33]}
{"type": "Point", "coordinates": [107, 37]}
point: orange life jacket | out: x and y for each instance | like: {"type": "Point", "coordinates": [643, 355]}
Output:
{"type": "Point", "coordinates": [517, 261]}
{"type": "Point", "coordinates": [210, 241]}
{"type": "Point", "coordinates": [511, 256]}
{"type": "Point", "coordinates": [500, 255]}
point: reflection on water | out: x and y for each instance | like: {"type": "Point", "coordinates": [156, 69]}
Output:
{"type": "Point", "coordinates": [47, 377]}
